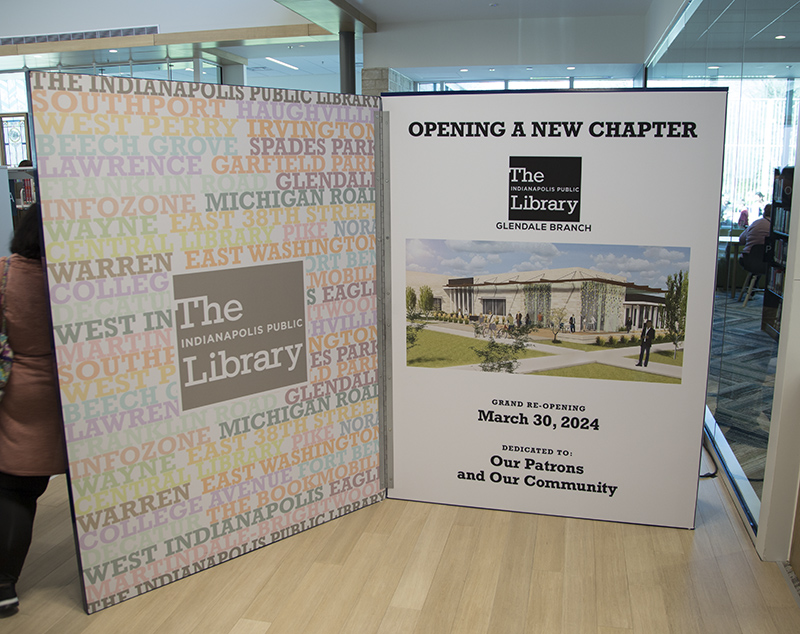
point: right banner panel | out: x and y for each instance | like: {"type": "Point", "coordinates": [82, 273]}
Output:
{"type": "Point", "coordinates": [553, 264]}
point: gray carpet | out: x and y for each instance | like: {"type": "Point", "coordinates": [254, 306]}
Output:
{"type": "Point", "coordinates": [741, 381]}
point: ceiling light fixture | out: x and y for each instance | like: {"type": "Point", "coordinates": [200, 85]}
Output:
{"type": "Point", "coordinates": [713, 68]}
{"type": "Point", "coordinates": [491, 70]}
{"type": "Point", "coordinates": [464, 70]}
{"type": "Point", "coordinates": [277, 61]}
{"type": "Point", "coordinates": [570, 68]}
{"type": "Point", "coordinates": [780, 37]}
{"type": "Point", "coordinates": [112, 50]}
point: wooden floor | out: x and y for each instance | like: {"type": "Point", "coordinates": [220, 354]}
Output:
{"type": "Point", "coordinates": [399, 567]}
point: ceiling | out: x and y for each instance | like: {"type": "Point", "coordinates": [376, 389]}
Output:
{"type": "Point", "coordinates": [739, 38]}
{"type": "Point", "coordinates": [399, 11]}
{"type": "Point", "coordinates": [736, 35]}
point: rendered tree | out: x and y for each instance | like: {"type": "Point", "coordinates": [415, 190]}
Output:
{"type": "Point", "coordinates": [425, 300]}
{"type": "Point", "coordinates": [556, 318]}
{"type": "Point", "coordinates": [412, 334]}
{"type": "Point", "coordinates": [411, 301]}
{"type": "Point", "coordinates": [414, 326]}
{"type": "Point", "coordinates": [675, 307]}
{"type": "Point", "coordinates": [504, 357]}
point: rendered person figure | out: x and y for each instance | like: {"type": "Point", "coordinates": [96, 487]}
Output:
{"type": "Point", "coordinates": [648, 334]}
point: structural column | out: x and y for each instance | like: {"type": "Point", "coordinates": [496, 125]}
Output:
{"type": "Point", "coordinates": [347, 62]}
{"type": "Point", "coordinates": [375, 81]}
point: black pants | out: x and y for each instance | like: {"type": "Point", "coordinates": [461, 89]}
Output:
{"type": "Point", "coordinates": [18, 495]}
{"type": "Point", "coordinates": [644, 351]}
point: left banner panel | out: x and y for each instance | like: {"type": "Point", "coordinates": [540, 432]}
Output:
{"type": "Point", "coordinates": [211, 264]}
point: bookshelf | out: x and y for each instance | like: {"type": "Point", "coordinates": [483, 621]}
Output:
{"type": "Point", "coordinates": [777, 247]}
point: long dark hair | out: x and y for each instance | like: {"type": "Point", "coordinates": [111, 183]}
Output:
{"type": "Point", "coordinates": [26, 240]}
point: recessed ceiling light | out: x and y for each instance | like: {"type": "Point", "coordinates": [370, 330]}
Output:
{"type": "Point", "coordinates": [464, 70]}
{"type": "Point", "coordinates": [112, 50]}
{"type": "Point", "coordinates": [277, 61]}
{"type": "Point", "coordinates": [529, 68]}
{"type": "Point", "coordinates": [780, 37]}
{"type": "Point", "coordinates": [491, 70]}
{"type": "Point", "coordinates": [713, 68]}
{"type": "Point", "coordinates": [570, 68]}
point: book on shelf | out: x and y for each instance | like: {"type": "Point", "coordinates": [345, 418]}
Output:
{"type": "Point", "coordinates": [775, 279]}
{"type": "Point", "coordinates": [779, 249]}
{"type": "Point", "coordinates": [780, 220]}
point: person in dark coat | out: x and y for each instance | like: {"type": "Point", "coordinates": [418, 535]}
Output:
{"type": "Point", "coordinates": [648, 335]}
{"type": "Point", "coordinates": [32, 446]}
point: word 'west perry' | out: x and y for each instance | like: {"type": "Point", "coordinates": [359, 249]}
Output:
{"type": "Point", "coordinates": [523, 180]}
{"type": "Point", "coordinates": [220, 365]}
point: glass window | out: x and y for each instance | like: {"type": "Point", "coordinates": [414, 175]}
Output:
{"type": "Point", "coordinates": [494, 307]}
{"type": "Point", "coordinates": [603, 83]}
{"type": "Point", "coordinates": [181, 71]}
{"type": "Point", "coordinates": [152, 71]}
{"type": "Point", "coordinates": [760, 138]}
{"type": "Point", "coordinates": [13, 94]}
{"type": "Point", "coordinates": [14, 135]}
{"type": "Point", "coordinates": [210, 73]}
{"type": "Point", "coordinates": [475, 85]}
{"type": "Point", "coordinates": [756, 142]}
{"type": "Point", "coordinates": [540, 84]}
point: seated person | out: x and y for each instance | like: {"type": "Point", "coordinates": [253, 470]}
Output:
{"type": "Point", "coordinates": [755, 234]}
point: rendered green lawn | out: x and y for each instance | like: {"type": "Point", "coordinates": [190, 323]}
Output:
{"type": "Point", "coordinates": [658, 356]}
{"type": "Point", "coordinates": [441, 350]}
{"type": "Point", "coordinates": [664, 356]}
{"type": "Point", "coordinates": [608, 372]}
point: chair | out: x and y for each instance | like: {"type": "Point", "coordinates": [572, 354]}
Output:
{"type": "Point", "coordinates": [754, 263]}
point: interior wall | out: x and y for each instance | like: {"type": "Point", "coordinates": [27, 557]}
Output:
{"type": "Point", "coordinates": [54, 16]}
{"type": "Point", "coordinates": [794, 552]}
{"type": "Point", "coordinates": [507, 42]}
{"type": "Point", "coordinates": [320, 83]}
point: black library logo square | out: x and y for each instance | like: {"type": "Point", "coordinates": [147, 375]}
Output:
{"type": "Point", "coordinates": [544, 188]}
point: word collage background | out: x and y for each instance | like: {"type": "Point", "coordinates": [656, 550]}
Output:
{"type": "Point", "coordinates": [144, 182]}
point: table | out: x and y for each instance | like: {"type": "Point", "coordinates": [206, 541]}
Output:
{"type": "Point", "coordinates": [731, 241]}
